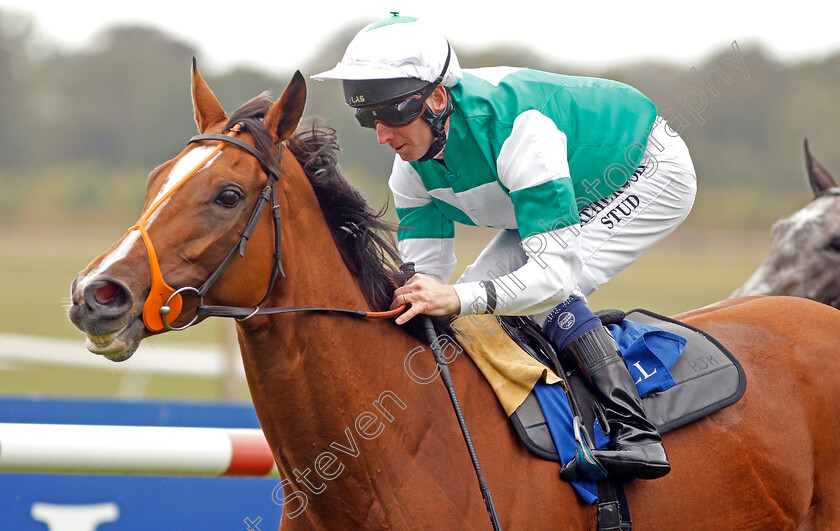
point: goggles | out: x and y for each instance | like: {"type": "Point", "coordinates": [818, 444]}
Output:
{"type": "Point", "coordinates": [398, 113]}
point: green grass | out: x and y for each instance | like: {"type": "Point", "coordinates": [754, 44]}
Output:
{"type": "Point", "coordinates": [690, 269]}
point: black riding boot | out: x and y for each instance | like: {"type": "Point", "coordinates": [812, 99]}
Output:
{"type": "Point", "coordinates": [635, 448]}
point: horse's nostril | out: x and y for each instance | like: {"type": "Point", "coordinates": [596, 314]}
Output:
{"type": "Point", "coordinates": [106, 293]}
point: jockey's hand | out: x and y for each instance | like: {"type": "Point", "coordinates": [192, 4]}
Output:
{"type": "Point", "coordinates": [426, 296]}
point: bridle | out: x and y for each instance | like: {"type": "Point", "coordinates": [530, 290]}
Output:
{"type": "Point", "coordinates": [164, 303]}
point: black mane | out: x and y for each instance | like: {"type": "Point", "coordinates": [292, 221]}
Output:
{"type": "Point", "coordinates": [364, 238]}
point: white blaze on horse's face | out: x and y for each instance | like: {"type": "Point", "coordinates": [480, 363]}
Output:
{"type": "Point", "coordinates": [179, 170]}
{"type": "Point", "coordinates": [113, 257]}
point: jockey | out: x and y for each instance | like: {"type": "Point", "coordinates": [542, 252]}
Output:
{"type": "Point", "coordinates": [578, 173]}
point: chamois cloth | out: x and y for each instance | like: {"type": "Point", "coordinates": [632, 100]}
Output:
{"type": "Point", "coordinates": [511, 372]}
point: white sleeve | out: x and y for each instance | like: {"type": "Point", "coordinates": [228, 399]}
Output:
{"type": "Point", "coordinates": [533, 166]}
{"type": "Point", "coordinates": [425, 236]}
{"type": "Point", "coordinates": [548, 277]}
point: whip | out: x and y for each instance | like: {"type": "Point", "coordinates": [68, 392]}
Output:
{"type": "Point", "coordinates": [446, 377]}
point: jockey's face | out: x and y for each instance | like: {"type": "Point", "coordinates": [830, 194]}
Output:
{"type": "Point", "coordinates": [412, 140]}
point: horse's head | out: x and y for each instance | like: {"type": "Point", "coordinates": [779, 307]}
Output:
{"type": "Point", "coordinates": [201, 209]}
{"type": "Point", "coordinates": [804, 258]}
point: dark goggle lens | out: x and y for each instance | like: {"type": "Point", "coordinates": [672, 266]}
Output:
{"type": "Point", "coordinates": [396, 114]}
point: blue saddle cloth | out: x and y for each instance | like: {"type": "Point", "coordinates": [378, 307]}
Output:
{"type": "Point", "coordinates": [649, 353]}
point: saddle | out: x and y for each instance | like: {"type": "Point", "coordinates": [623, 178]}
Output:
{"type": "Point", "coordinates": [706, 378]}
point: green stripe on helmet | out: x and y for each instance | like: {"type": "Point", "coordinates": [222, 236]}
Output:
{"type": "Point", "coordinates": [396, 18]}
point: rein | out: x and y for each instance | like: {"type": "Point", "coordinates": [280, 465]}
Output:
{"type": "Point", "coordinates": [165, 303]}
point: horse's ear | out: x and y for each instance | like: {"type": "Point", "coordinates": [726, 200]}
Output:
{"type": "Point", "coordinates": [819, 177]}
{"type": "Point", "coordinates": [208, 111]}
{"type": "Point", "coordinates": [283, 117]}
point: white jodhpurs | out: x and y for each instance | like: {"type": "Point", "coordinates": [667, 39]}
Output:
{"type": "Point", "coordinates": [618, 229]}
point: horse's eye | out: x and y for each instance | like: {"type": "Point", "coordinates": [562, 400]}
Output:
{"type": "Point", "coordinates": [833, 245]}
{"type": "Point", "coordinates": [229, 198]}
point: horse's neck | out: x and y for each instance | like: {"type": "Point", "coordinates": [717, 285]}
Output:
{"type": "Point", "coordinates": [316, 274]}
{"type": "Point", "coordinates": [316, 377]}
{"type": "Point", "coordinates": [334, 399]}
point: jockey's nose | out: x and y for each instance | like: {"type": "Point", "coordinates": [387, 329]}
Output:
{"type": "Point", "coordinates": [384, 133]}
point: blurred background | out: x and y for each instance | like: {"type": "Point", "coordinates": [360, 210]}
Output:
{"type": "Point", "coordinates": [91, 102]}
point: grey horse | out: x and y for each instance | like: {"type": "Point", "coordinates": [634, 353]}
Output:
{"type": "Point", "coordinates": [804, 258]}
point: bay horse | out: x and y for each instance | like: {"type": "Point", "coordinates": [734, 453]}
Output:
{"type": "Point", "coordinates": [359, 440]}
{"type": "Point", "coordinates": [804, 258]}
